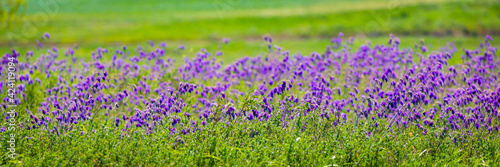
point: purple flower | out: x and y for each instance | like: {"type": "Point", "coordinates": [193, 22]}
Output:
{"type": "Point", "coordinates": [46, 35]}
{"type": "Point", "coordinates": [226, 40]}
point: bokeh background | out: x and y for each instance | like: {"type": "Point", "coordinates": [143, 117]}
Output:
{"type": "Point", "coordinates": [298, 26]}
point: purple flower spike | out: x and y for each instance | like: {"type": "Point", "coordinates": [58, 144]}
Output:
{"type": "Point", "coordinates": [46, 35]}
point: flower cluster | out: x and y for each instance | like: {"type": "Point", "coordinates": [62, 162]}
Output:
{"type": "Point", "coordinates": [145, 91]}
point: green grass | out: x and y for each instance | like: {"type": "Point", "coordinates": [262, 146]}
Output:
{"type": "Point", "coordinates": [217, 145]}
{"type": "Point", "coordinates": [297, 26]}
{"type": "Point", "coordinates": [79, 22]}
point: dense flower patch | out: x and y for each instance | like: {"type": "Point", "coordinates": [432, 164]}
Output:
{"type": "Point", "coordinates": [378, 89]}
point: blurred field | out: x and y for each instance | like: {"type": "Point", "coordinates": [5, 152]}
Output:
{"type": "Point", "coordinates": [300, 26]}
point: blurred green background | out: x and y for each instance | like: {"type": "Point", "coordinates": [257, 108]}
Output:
{"type": "Point", "coordinates": [298, 26]}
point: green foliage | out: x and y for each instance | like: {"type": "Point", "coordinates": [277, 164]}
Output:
{"type": "Point", "coordinates": [260, 144]}
{"type": "Point", "coordinates": [8, 9]}
{"type": "Point", "coordinates": [100, 23]}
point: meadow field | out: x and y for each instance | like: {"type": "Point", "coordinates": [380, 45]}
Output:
{"type": "Point", "coordinates": [250, 83]}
